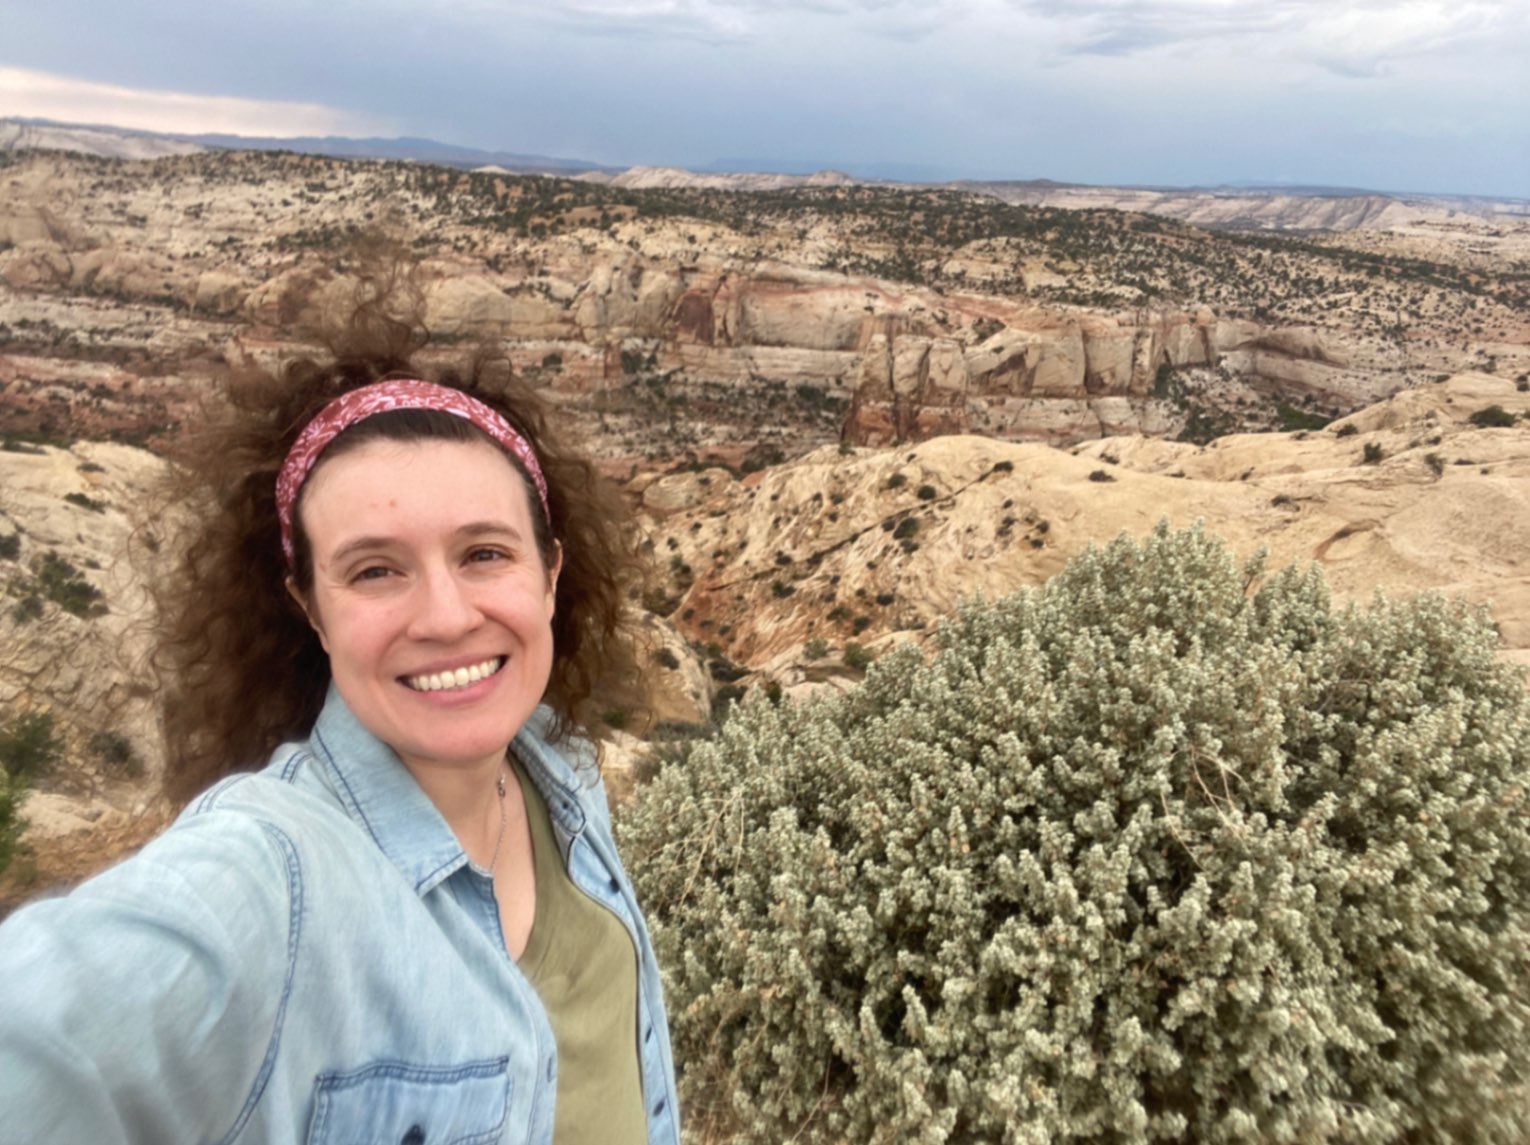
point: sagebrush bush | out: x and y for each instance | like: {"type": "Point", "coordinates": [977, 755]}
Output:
{"type": "Point", "coordinates": [1165, 850]}
{"type": "Point", "coordinates": [11, 823]}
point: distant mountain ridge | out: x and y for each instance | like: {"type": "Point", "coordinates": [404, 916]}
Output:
{"type": "Point", "coordinates": [129, 143]}
{"type": "Point", "coordinates": [1245, 206]}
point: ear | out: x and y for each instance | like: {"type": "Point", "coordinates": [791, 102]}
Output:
{"type": "Point", "coordinates": [553, 570]}
{"type": "Point", "coordinates": [309, 611]}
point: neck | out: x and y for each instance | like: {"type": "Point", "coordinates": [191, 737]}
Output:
{"type": "Point", "coordinates": [468, 798]}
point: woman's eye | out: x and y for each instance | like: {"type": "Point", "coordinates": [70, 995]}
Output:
{"type": "Point", "coordinates": [373, 572]}
{"type": "Point", "coordinates": [485, 555]}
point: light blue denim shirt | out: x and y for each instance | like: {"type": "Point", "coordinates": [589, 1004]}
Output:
{"type": "Point", "coordinates": [305, 955]}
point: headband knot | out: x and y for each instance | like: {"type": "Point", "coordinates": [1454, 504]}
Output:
{"type": "Point", "coordinates": [380, 397]}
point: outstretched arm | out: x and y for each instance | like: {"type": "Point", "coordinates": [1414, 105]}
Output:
{"type": "Point", "coordinates": [145, 1006]}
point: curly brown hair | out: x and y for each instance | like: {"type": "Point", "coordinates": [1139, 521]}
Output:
{"type": "Point", "coordinates": [241, 669]}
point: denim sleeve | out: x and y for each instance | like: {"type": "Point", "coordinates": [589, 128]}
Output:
{"type": "Point", "coordinates": [146, 1005]}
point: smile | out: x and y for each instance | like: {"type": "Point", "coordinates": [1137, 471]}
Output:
{"type": "Point", "coordinates": [457, 678]}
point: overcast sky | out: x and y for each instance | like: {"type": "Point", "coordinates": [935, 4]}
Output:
{"type": "Point", "coordinates": [1404, 95]}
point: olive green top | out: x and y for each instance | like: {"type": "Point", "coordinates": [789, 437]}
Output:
{"type": "Point", "coordinates": [583, 965]}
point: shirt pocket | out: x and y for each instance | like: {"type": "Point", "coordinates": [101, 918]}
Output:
{"type": "Point", "coordinates": [394, 1103]}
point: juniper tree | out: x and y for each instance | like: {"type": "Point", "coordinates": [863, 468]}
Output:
{"type": "Point", "coordinates": [1165, 850]}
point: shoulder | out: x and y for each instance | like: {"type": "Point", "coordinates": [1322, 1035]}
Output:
{"type": "Point", "coordinates": [570, 761]}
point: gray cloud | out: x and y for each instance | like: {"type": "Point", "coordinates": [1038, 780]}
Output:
{"type": "Point", "coordinates": [724, 21]}
{"type": "Point", "coordinates": [1346, 37]}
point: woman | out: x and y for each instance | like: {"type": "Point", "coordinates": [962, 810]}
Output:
{"type": "Point", "coordinates": [411, 924]}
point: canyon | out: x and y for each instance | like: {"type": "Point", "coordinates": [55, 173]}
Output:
{"type": "Point", "coordinates": [839, 409]}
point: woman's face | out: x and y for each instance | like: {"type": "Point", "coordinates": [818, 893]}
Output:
{"type": "Point", "coordinates": [429, 596]}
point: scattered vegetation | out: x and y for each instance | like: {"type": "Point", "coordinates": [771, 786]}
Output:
{"type": "Point", "coordinates": [54, 579]}
{"type": "Point", "coordinates": [1492, 417]}
{"type": "Point", "coordinates": [86, 502]}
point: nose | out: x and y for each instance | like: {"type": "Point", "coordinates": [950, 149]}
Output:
{"type": "Point", "coordinates": [444, 607]}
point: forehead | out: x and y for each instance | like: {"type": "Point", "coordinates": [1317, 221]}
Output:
{"type": "Point", "coordinates": [444, 481]}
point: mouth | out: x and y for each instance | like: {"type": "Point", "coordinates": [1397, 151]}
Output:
{"type": "Point", "coordinates": [456, 678]}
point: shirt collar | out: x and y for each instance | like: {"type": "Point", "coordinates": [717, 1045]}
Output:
{"type": "Point", "coordinates": [381, 795]}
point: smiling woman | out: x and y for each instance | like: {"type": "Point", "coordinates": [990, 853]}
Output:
{"type": "Point", "coordinates": [409, 924]}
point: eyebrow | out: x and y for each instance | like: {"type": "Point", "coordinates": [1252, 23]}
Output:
{"type": "Point", "coordinates": [470, 531]}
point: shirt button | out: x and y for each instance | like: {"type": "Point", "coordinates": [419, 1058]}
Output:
{"type": "Point", "coordinates": [415, 1136]}
{"type": "Point", "coordinates": [614, 885]}
{"type": "Point", "coordinates": [551, 1066]}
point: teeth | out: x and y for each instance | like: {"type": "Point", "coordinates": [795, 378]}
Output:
{"type": "Point", "coordinates": [457, 678]}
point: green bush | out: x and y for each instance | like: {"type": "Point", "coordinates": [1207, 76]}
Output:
{"type": "Point", "coordinates": [115, 751]}
{"type": "Point", "coordinates": [856, 656]}
{"type": "Point", "coordinates": [1492, 417]}
{"type": "Point", "coordinates": [86, 502]}
{"type": "Point", "coordinates": [11, 822]}
{"type": "Point", "coordinates": [29, 745]}
{"type": "Point", "coordinates": [1165, 850]}
{"type": "Point", "coordinates": [65, 586]}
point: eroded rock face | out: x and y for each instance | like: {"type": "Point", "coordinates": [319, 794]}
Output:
{"type": "Point", "coordinates": [72, 634]}
{"type": "Point", "coordinates": [872, 546]}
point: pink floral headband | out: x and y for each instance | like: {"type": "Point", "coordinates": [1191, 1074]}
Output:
{"type": "Point", "coordinates": [360, 404]}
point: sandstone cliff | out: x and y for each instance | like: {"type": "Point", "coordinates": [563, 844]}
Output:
{"type": "Point", "coordinates": [668, 320]}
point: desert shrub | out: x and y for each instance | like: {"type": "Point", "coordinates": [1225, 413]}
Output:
{"type": "Point", "coordinates": [29, 745]}
{"type": "Point", "coordinates": [856, 656]}
{"type": "Point", "coordinates": [11, 822]}
{"type": "Point", "coordinates": [85, 501]}
{"type": "Point", "coordinates": [1492, 417]}
{"type": "Point", "coordinates": [816, 648]}
{"type": "Point", "coordinates": [1165, 850]}
{"type": "Point", "coordinates": [115, 751]}
{"type": "Point", "coordinates": [1372, 454]}
{"type": "Point", "coordinates": [63, 584]}
{"type": "Point", "coordinates": [10, 546]}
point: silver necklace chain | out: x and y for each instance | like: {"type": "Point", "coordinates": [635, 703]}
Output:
{"type": "Point", "coordinates": [499, 840]}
